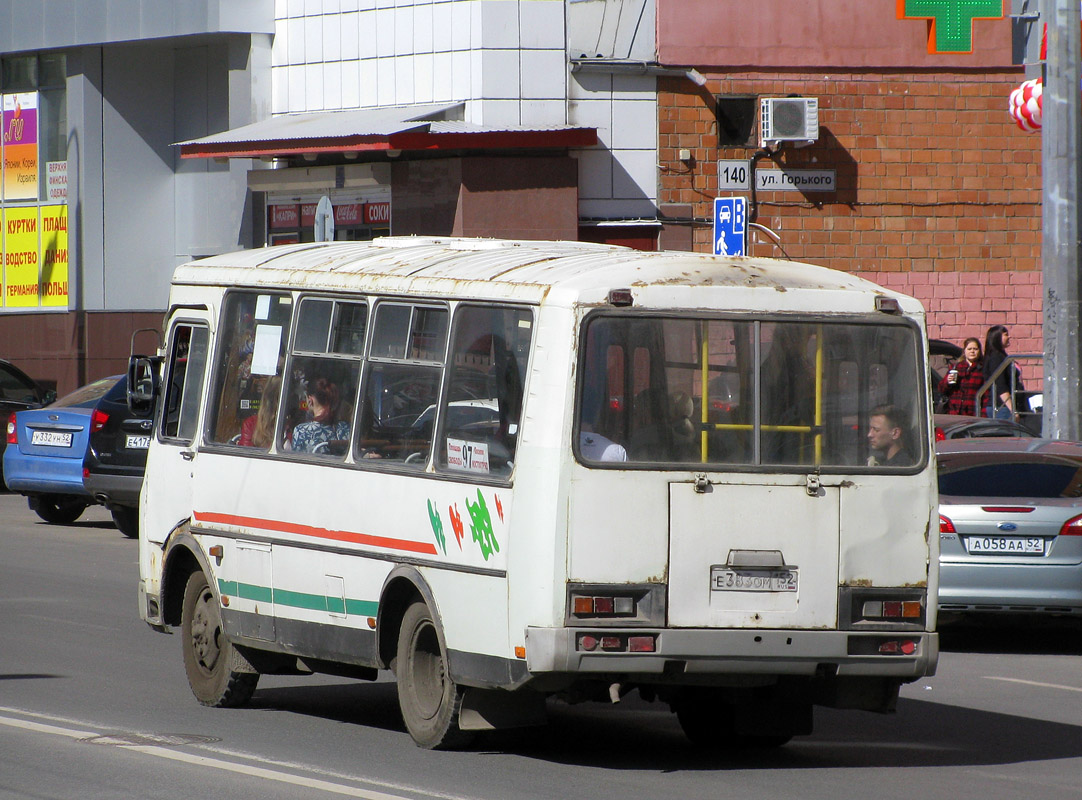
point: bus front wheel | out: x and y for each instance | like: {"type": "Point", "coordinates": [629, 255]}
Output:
{"type": "Point", "coordinates": [430, 700]}
{"type": "Point", "coordinates": [208, 654]}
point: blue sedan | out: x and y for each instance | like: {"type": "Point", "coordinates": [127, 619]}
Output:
{"type": "Point", "coordinates": [46, 450]}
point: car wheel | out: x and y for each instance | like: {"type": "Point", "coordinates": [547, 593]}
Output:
{"type": "Point", "coordinates": [58, 509]}
{"type": "Point", "coordinates": [429, 699]}
{"type": "Point", "coordinates": [208, 654]}
{"type": "Point", "coordinates": [126, 520]}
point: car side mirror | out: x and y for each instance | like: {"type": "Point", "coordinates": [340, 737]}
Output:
{"type": "Point", "coordinates": [144, 384]}
{"type": "Point", "coordinates": [48, 397]}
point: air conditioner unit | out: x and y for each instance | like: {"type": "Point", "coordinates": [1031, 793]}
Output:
{"type": "Point", "coordinates": [788, 119]}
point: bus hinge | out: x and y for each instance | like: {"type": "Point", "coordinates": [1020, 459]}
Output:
{"type": "Point", "coordinates": [813, 485]}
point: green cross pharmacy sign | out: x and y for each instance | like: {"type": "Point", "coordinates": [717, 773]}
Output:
{"type": "Point", "coordinates": [950, 22]}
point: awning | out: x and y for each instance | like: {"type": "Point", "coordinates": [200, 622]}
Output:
{"type": "Point", "coordinates": [402, 128]}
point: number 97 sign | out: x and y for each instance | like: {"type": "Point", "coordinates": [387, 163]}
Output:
{"type": "Point", "coordinates": [730, 224]}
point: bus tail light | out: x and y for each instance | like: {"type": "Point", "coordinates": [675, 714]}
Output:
{"type": "Point", "coordinates": [898, 647]}
{"type": "Point", "coordinates": [892, 609]}
{"type": "Point", "coordinates": [13, 437]}
{"type": "Point", "coordinates": [595, 606]}
{"type": "Point", "coordinates": [618, 643]}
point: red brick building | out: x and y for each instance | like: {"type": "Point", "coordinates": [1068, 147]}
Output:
{"type": "Point", "coordinates": [938, 192]}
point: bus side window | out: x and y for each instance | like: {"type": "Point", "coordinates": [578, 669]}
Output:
{"type": "Point", "coordinates": [320, 395]}
{"type": "Point", "coordinates": [187, 365]}
{"type": "Point", "coordinates": [255, 328]}
{"type": "Point", "coordinates": [482, 406]}
{"type": "Point", "coordinates": [402, 384]}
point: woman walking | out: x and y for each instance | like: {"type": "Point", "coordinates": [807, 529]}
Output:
{"type": "Point", "coordinates": [963, 379]}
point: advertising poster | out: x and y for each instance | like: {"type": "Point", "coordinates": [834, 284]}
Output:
{"type": "Point", "coordinates": [54, 256]}
{"type": "Point", "coordinates": [20, 125]}
{"type": "Point", "coordinates": [21, 257]}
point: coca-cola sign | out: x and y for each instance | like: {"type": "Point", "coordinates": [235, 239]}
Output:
{"type": "Point", "coordinates": [347, 214]}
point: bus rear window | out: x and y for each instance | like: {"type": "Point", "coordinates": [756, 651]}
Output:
{"type": "Point", "coordinates": [658, 390]}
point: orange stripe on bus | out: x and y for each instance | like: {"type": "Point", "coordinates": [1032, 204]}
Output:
{"type": "Point", "coordinates": [319, 533]}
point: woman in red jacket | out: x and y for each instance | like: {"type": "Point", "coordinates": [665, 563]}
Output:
{"type": "Point", "coordinates": [963, 379]}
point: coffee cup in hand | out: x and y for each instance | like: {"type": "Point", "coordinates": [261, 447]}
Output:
{"type": "Point", "coordinates": [952, 376]}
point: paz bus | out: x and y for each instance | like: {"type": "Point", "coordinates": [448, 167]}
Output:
{"type": "Point", "coordinates": [508, 471]}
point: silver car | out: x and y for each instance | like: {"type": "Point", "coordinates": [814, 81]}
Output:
{"type": "Point", "coordinates": [1010, 526]}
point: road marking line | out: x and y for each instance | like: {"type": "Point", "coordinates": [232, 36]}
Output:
{"type": "Point", "coordinates": [1034, 683]}
{"type": "Point", "coordinates": [206, 761]}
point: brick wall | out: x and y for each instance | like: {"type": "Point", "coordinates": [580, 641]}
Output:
{"type": "Point", "coordinates": [938, 192]}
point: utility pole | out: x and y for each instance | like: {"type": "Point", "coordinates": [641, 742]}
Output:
{"type": "Point", "coordinates": [1060, 145]}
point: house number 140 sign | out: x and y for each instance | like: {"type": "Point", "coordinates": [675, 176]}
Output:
{"type": "Point", "coordinates": [734, 176]}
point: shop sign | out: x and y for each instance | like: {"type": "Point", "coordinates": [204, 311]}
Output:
{"type": "Point", "coordinates": [21, 257]}
{"type": "Point", "coordinates": [20, 126]}
{"type": "Point", "coordinates": [54, 255]}
{"type": "Point", "coordinates": [308, 215]}
{"type": "Point", "coordinates": [56, 178]}
{"type": "Point", "coordinates": [284, 216]}
{"type": "Point", "coordinates": [377, 213]}
{"type": "Point", "coordinates": [347, 214]}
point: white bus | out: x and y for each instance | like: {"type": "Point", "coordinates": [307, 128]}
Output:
{"type": "Point", "coordinates": [507, 471]}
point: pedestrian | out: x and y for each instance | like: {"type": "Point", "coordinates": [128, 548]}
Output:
{"type": "Point", "coordinates": [964, 379]}
{"type": "Point", "coordinates": [1000, 403]}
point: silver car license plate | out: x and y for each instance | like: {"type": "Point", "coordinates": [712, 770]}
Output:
{"type": "Point", "coordinates": [137, 442]}
{"type": "Point", "coordinates": [50, 439]}
{"type": "Point", "coordinates": [723, 579]}
{"type": "Point", "coordinates": [1010, 545]}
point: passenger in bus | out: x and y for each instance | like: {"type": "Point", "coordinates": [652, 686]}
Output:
{"type": "Point", "coordinates": [258, 429]}
{"type": "Point", "coordinates": [325, 432]}
{"type": "Point", "coordinates": [595, 447]}
{"type": "Point", "coordinates": [886, 435]}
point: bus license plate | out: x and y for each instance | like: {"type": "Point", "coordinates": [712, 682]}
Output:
{"type": "Point", "coordinates": [51, 439]}
{"type": "Point", "coordinates": [723, 579]}
{"type": "Point", "coordinates": [138, 442]}
{"type": "Point", "coordinates": [1022, 545]}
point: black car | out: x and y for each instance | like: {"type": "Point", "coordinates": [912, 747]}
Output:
{"type": "Point", "coordinates": [957, 426]}
{"type": "Point", "coordinates": [18, 392]}
{"type": "Point", "coordinates": [117, 457]}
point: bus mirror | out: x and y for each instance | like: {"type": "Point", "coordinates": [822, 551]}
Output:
{"type": "Point", "coordinates": [143, 383]}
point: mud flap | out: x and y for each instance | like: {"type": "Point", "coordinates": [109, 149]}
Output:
{"type": "Point", "coordinates": [488, 709]}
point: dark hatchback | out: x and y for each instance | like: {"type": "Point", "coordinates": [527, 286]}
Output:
{"type": "Point", "coordinates": [117, 457]}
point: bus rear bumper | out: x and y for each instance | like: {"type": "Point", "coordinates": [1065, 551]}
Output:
{"type": "Point", "coordinates": [685, 655]}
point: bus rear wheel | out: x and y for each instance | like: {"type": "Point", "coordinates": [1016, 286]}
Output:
{"type": "Point", "coordinates": [208, 654]}
{"type": "Point", "coordinates": [429, 699]}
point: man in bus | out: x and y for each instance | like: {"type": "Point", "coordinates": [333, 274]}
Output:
{"type": "Point", "coordinates": [887, 439]}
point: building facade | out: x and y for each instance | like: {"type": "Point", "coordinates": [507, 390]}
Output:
{"type": "Point", "coordinates": [193, 128]}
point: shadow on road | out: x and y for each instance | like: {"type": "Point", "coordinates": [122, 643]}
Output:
{"type": "Point", "coordinates": [635, 735]}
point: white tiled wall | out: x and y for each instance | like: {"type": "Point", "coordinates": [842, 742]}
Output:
{"type": "Point", "coordinates": [442, 51]}
{"type": "Point", "coordinates": [505, 58]}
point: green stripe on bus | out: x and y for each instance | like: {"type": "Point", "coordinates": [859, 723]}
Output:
{"type": "Point", "coordinates": [312, 602]}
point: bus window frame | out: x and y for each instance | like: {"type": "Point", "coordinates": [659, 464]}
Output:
{"type": "Point", "coordinates": [877, 320]}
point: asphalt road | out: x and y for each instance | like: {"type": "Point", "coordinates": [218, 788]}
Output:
{"type": "Point", "coordinates": [93, 704]}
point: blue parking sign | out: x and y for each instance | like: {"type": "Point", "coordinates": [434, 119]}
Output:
{"type": "Point", "coordinates": [730, 224]}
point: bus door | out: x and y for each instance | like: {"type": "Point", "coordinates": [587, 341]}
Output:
{"type": "Point", "coordinates": [167, 494]}
{"type": "Point", "coordinates": [753, 554]}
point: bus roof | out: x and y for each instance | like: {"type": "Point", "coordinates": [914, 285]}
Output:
{"type": "Point", "coordinates": [532, 271]}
